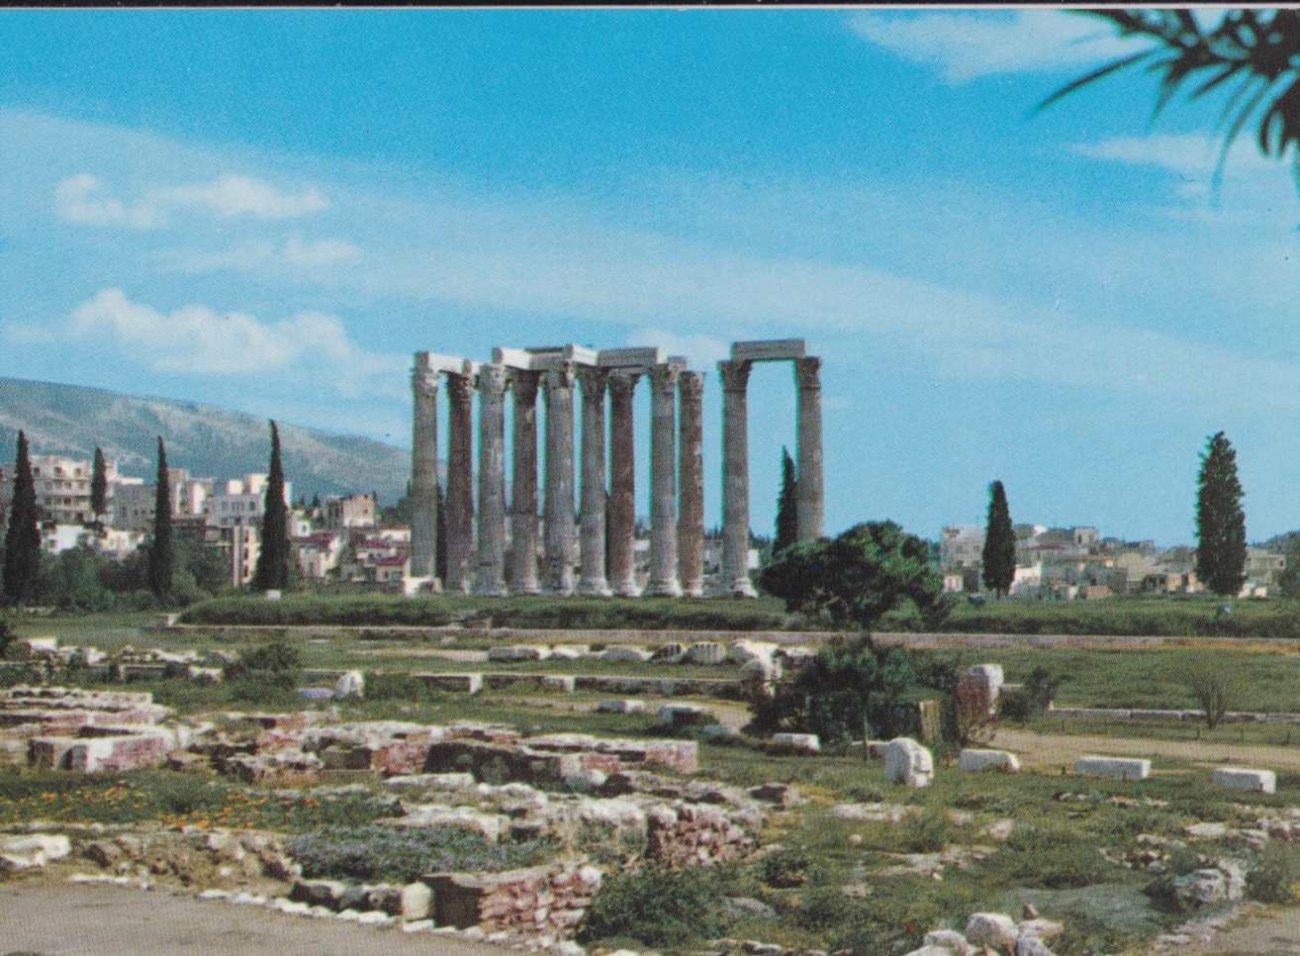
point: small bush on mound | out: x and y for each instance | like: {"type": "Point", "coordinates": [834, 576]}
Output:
{"type": "Point", "coordinates": [657, 907]}
{"type": "Point", "coordinates": [927, 833]}
{"type": "Point", "coordinates": [1051, 856]}
{"type": "Point", "coordinates": [789, 866]}
{"type": "Point", "coordinates": [266, 670]}
{"type": "Point", "coordinates": [1273, 879]}
{"type": "Point", "coordinates": [377, 853]}
{"type": "Point", "coordinates": [893, 919]}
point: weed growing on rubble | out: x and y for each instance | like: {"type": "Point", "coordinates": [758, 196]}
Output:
{"type": "Point", "coordinates": [390, 855]}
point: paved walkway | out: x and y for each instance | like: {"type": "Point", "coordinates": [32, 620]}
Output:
{"type": "Point", "coordinates": [67, 919]}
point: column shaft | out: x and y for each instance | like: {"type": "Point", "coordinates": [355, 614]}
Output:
{"type": "Point", "coordinates": [559, 480]}
{"type": "Point", "coordinates": [735, 478]}
{"type": "Point", "coordinates": [490, 577]}
{"type": "Point", "coordinates": [622, 497]}
{"type": "Point", "coordinates": [460, 476]}
{"type": "Point", "coordinates": [592, 578]}
{"type": "Point", "coordinates": [424, 473]}
{"type": "Point", "coordinates": [663, 481]}
{"type": "Point", "coordinates": [809, 491]}
{"type": "Point", "coordinates": [523, 518]}
{"type": "Point", "coordinates": [690, 518]}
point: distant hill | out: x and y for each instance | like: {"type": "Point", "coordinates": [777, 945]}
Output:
{"type": "Point", "coordinates": [206, 440]}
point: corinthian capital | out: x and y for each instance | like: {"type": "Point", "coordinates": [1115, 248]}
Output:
{"type": "Point", "coordinates": [735, 375]}
{"type": "Point", "coordinates": [807, 372]}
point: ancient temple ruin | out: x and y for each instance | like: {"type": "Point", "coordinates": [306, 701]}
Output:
{"type": "Point", "coordinates": [478, 558]}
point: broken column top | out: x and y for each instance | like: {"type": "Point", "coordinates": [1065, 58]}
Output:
{"type": "Point", "coordinates": [549, 357]}
{"type": "Point", "coordinates": [768, 350]}
{"type": "Point", "coordinates": [433, 362]}
{"type": "Point", "coordinates": [631, 357]}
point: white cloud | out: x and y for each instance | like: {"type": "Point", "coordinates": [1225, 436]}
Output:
{"type": "Point", "coordinates": [967, 46]}
{"type": "Point", "coordinates": [195, 339]}
{"type": "Point", "coordinates": [1183, 154]}
{"type": "Point", "coordinates": [230, 195]}
{"type": "Point", "coordinates": [82, 199]}
{"type": "Point", "coordinates": [263, 254]}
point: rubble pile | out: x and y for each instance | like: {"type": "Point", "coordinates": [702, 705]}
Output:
{"type": "Point", "coordinates": [90, 731]}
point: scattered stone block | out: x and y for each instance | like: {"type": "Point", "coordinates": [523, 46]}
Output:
{"type": "Point", "coordinates": [351, 685]}
{"type": "Point", "coordinates": [684, 715]}
{"type": "Point", "coordinates": [745, 650]}
{"type": "Point", "coordinates": [518, 652]}
{"type": "Point", "coordinates": [1242, 778]}
{"type": "Point", "coordinates": [559, 683]}
{"type": "Point", "coordinates": [808, 743]}
{"type": "Point", "coordinates": [908, 763]}
{"type": "Point", "coordinates": [626, 706]}
{"type": "Point", "coordinates": [624, 653]}
{"type": "Point", "coordinates": [779, 794]}
{"type": "Point", "coordinates": [463, 683]}
{"type": "Point", "coordinates": [1114, 768]}
{"type": "Point", "coordinates": [706, 652]}
{"type": "Point", "coordinates": [34, 851]}
{"type": "Point", "coordinates": [995, 930]}
{"type": "Point", "coordinates": [949, 941]}
{"type": "Point", "coordinates": [975, 761]}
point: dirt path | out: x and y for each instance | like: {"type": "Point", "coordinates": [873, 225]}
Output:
{"type": "Point", "coordinates": [63, 919]}
{"type": "Point", "coordinates": [1053, 751]}
{"type": "Point", "coordinates": [1277, 934]}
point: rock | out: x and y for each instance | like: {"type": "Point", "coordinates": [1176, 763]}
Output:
{"type": "Point", "coordinates": [1115, 768]}
{"type": "Point", "coordinates": [518, 652]}
{"type": "Point", "coordinates": [625, 654]}
{"type": "Point", "coordinates": [744, 650]}
{"type": "Point", "coordinates": [907, 762]}
{"type": "Point", "coordinates": [949, 941]}
{"type": "Point", "coordinates": [1045, 929]}
{"type": "Point", "coordinates": [569, 652]}
{"type": "Point", "coordinates": [351, 685]}
{"type": "Point", "coordinates": [1001, 830]}
{"type": "Point", "coordinates": [1029, 910]}
{"type": "Point", "coordinates": [684, 715]}
{"type": "Point", "coordinates": [931, 951]}
{"type": "Point", "coordinates": [27, 852]}
{"type": "Point", "coordinates": [1030, 946]}
{"type": "Point", "coordinates": [620, 706]}
{"type": "Point", "coordinates": [780, 794]}
{"type": "Point", "coordinates": [996, 930]}
{"type": "Point", "coordinates": [975, 761]}
{"type": "Point", "coordinates": [738, 907]}
{"type": "Point", "coordinates": [706, 652]}
{"type": "Point", "coordinates": [810, 743]}
{"type": "Point", "coordinates": [325, 893]}
{"type": "Point", "coordinates": [1241, 778]}
{"type": "Point", "coordinates": [1221, 883]}
{"type": "Point", "coordinates": [1207, 831]}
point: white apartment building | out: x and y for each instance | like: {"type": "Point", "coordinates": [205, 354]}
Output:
{"type": "Point", "coordinates": [62, 486]}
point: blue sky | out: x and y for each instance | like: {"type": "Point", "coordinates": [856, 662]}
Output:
{"type": "Point", "coordinates": [271, 210]}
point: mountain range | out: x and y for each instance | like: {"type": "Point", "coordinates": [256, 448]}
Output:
{"type": "Point", "coordinates": [206, 440]}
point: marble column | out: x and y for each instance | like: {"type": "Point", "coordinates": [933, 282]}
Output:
{"type": "Point", "coordinates": [735, 478]}
{"type": "Point", "coordinates": [559, 480]}
{"type": "Point", "coordinates": [490, 577]}
{"type": "Point", "coordinates": [460, 477]}
{"type": "Point", "coordinates": [622, 496]}
{"type": "Point", "coordinates": [424, 474]}
{"type": "Point", "coordinates": [591, 579]}
{"type": "Point", "coordinates": [523, 519]}
{"type": "Point", "coordinates": [809, 490]}
{"type": "Point", "coordinates": [663, 482]}
{"type": "Point", "coordinates": [690, 516]}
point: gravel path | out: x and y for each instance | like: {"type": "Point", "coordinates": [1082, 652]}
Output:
{"type": "Point", "coordinates": [1053, 751]}
{"type": "Point", "coordinates": [66, 919]}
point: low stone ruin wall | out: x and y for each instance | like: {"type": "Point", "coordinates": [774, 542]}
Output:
{"type": "Point", "coordinates": [541, 901]}
{"type": "Point", "coordinates": [89, 731]}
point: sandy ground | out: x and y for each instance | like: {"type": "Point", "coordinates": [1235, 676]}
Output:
{"type": "Point", "coordinates": [1275, 934]}
{"type": "Point", "coordinates": [65, 919]}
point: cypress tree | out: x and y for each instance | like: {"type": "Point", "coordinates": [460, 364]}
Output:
{"type": "Point", "coordinates": [1220, 521]}
{"type": "Point", "coordinates": [787, 506]}
{"type": "Point", "coordinates": [999, 555]}
{"type": "Point", "coordinates": [99, 485]}
{"type": "Point", "coordinates": [23, 536]}
{"type": "Point", "coordinates": [162, 556]}
{"type": "Point", "coordinates": [273, 561]}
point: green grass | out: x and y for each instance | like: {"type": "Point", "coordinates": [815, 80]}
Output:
{"type": "Point", "coordinates": [538, 612]}
{"type": "Point", "coordinates": [1165, 616]}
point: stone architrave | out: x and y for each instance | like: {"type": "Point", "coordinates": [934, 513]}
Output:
{"type": "Point", "coordinates": [591, 579]}
{"type": "Point", "coordinates": [490, 577]}
{"type": "Point", "coordinates": [424, 473]}
{"type": "Point", "coordinates": [663, 481]}
{"type": "Point", "coordinates": [809, 491]}
{"type": "Point", "coordinates": [690, 516]}
{"type": "Point", "coordinates": [622, 499]}
{"type": "Point", "coordinates": [523, 517]}
{"type": "Point", "coordinates": [460, 477]}
{"type": "Point", "coordinates": [559, 479]}
{"type": "Point", "coordinates": [735, 478]}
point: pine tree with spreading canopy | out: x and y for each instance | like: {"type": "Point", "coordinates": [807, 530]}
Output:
{"type": "Point", "coordinates": [99, 485]}
{"type": "Point", "coordinates": [787, 507]}
{"type": "Point", "coordinates": [162, 556]}
{"type": "Point", "coordinates": [999, 555]}
{"type": "Point", "coordinates": [23, 536]}
{"type": "Point", "coordinates": [273, 562]}
{"type": "Point", "coordinates": [1220, 521]}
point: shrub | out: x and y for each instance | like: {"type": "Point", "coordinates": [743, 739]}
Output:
{"type": "Point", "coordinates": [786, 867]}
{"type": "Point", "coordinates": [657, 907]}
{"type": "Point", "coordinates": [1273, 878]}
{"type": "Point", "coordinates": [1215, 689]}
{"type": "Point", "coordinates": [1034, 696]}
{"type": "Point", "coordinates": [1051, 856]}
{"type": "Point", "coordinates": [928, 832]}
{"type": "Point", "coordinates": [274, 665]}
{"type": "Point", "coordinates": [390, 855]}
